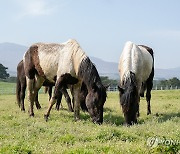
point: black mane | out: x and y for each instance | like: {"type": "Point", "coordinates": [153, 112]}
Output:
{"type": "Point", "coordinates": [89, 75]}
{"type": "Point", "coordinates": [88, 72]}
{"type": "Point", "coordinates": [129, 94]}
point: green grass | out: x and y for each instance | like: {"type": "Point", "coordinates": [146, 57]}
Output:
{"type": "Point", "coordinates": [7, 88]}
{"type": "Point", "coordinates": [61, 134]}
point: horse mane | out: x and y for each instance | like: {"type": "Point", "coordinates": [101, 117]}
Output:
{"type": "Point", "coordinates": [89, 75]}
{"type": "Point", "coordinates": [130, 87]}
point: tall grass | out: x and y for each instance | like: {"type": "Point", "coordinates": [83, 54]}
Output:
{"type": "Point", "coordinates": [20, 133]}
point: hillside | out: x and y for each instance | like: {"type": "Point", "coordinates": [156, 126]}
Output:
{"type": "Point", "coordinates": [11, 54]}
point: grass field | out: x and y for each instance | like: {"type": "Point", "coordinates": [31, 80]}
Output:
{"type": "Point", "coordinates": [61, 134]}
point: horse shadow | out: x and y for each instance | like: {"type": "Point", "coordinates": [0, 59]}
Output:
{"type": "Point", "coordinates": [114, 120]}
{"type": "Point", "coordinates": [108, 117]}
{"type": "Point", "coordinates": [165, 117]}
{"type": "Point", "coordinates": [108, 109]}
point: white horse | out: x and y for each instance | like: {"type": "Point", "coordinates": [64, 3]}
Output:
{"type": "Point", "coordinates": [68, 64]}
{"type": "Point", "coordinates": [136, 69]}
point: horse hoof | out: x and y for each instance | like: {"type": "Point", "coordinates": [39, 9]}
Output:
{"type": "Point", "coordinates": [138, 114]}
{"type": "Point", "coordinates": [56, 108]}
{"type": "Point", "coordinates": [23, 110]}
{"type": "Point", "coordinates": [148, 113]}
{"type": "Point", "coordinates": [76, 119]}
{"type": "Point", "coordinates": [39, 107]}
{"type": "Point", "coordinates": [31, 115]}
{"type": "Point", "coordinates": [46, 117]}
{"type": "Point", "coordinates": [71, 110]}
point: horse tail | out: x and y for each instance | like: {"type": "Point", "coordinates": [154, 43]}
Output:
{"type": "Point", "coordinates": [18, 91]}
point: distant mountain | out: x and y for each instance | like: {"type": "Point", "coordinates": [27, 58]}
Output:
{"type": "Point", "coordinates": [167, 73]}
{"type": "Point", "coordinates": [11, 54]}
{"type": "Point", "coordinates": [104, 66]}
{"type": "Point", "coordinates": [111, 69]}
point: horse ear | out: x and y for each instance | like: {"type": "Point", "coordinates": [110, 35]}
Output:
{"type": "Point", "coordinates": [121, 90]}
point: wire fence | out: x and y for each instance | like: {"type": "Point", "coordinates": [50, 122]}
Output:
{"type": "Point", "coordinates": [12, 90]}
{"type": "Point", "coordinates": [115, 88]}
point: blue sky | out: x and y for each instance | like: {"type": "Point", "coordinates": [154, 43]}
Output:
{"type": "Point", "coordinates": [100, 26]}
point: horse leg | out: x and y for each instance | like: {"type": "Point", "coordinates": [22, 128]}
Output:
{"type": "Point", "coordinates": [148, 96]}
{"type": "Point", "coordinates": [72, 93]}
{"type": "Point", "coordinates": [51, 103]}
{"type": "Point", "coordinates": [76, 91]}
{"type": "Point", "coordinates": [30, 93]}
{"type": "Point", "coordinates": [38, 85]}
{"type": "Point", "coordinates": [22, 97]}
{"type": "Point", "coordinates": [18, 91]}
{"type": "Point", "coordinates": [56, 94]}
{"type": "Point", "coordinates": [38, 106]}
{"type": "Point", "coordinates": [138, 101]}
{"type": "Point", "coordinates": [62, 81]}
{"type": "Point", "coordinates": [149, 84]}
{"type": "Point", "coordinates": [59, 98]}
{"type": "Point", "coordinates": [68, 99]}
{"type": "Point", "coordinates": [49, 89]}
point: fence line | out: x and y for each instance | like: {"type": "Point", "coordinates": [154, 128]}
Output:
{"type": "Point", "coordinates": [115, 88]}
{"type": "Point", "coordinates": [12, 90]}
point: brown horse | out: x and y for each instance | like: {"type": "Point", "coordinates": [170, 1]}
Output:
{"type": "Point", "coordinates": [72, 66]}
{"type": "Point", "coordinates": [21, 88]}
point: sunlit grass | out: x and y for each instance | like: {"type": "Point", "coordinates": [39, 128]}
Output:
{"type": "Point", "coordinates": [61, 134]}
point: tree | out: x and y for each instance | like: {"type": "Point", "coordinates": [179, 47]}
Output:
{"type": "Point", "coordinates": [3, 72]}
{"type": "Point", "coordinates": [169, 83]}
{"type": "Point", "coordinates": [106, 81]}
{"type": "Point", "coordinates": [174, 82]}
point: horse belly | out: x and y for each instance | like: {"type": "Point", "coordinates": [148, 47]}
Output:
{"type": "Point", "coordinates": [66, 65]}
{"type": "Point", "coordinates": [49, 65]}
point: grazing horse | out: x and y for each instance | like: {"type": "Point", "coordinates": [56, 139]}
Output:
{"type": "Point", "coordinates": [21, 88]}
{"type": "Point", "coordinates": [72, 66]}
{"type": "Point", "coordinates": [136, 68]}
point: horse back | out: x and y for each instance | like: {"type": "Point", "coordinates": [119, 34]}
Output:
{"type": "Point", "coordinates": [135, 59]}
{"type": "Point", "coordinates": [130, 60]}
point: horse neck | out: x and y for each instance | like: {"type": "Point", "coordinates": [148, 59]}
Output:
{"type": "Point", "coordinates": [88, 74]}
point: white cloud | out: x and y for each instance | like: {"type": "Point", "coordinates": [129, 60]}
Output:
{"type": "Point", "coordinates": [35, 8]}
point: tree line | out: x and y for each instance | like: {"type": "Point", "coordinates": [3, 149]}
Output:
{"type": "Point", "coordinates": [173, 82]}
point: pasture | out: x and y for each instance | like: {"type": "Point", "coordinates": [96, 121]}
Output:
{"type": "Point", "coordinates": [20, 133]}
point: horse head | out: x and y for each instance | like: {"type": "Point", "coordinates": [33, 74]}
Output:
{"type": "Point", "coordinates": [95, 100]}
{"type": "Point", "coordinates": [129, 99]}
